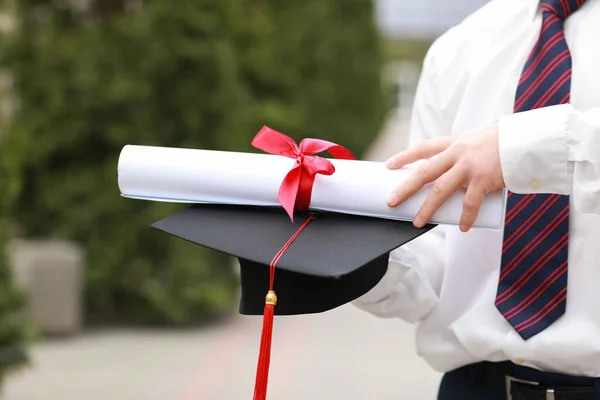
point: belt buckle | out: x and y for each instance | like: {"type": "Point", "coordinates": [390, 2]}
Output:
{"type": "Point", "coordinates": [510, 379]}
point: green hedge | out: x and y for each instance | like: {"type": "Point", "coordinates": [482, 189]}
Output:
{"type": "Point", "coordinates": [197, 74]}
{"type": "Point", "coordinates": [14, 335]}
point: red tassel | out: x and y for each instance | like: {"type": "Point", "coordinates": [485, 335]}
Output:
{"type": "Point", "coordinates": [264, 359]}
{"type": "Point", "coordinates": [264, 356]}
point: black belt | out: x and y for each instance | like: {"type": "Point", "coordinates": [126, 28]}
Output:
{"type": "Point", "coordinates": [502, 375]}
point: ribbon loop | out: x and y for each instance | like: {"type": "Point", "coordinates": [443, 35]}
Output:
{"type": "Point", "coordinates": [296, 189]}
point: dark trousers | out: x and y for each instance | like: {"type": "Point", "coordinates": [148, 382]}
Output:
{"type": "Point", "coordinates": [473, 382]}
{"type": "Point", "coordinates": [465, 384]}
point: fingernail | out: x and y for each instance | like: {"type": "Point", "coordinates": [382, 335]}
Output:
{"type": "Point", "coordinates": [392, 200]}
{"type": "Point", "coordinates": [389, 162]}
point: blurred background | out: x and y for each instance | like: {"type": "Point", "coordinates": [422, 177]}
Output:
{"type": "Point", "coordinates": [93, 303]}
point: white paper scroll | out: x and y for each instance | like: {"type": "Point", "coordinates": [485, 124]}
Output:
{"type": "Point", "coordinates": [205, 176]}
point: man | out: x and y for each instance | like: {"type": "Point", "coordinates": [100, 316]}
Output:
{"type": "Point", "coordinates": [508, 98]}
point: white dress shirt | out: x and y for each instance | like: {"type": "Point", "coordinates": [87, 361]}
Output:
{"type": "Point", "coordinates": [446, 281]}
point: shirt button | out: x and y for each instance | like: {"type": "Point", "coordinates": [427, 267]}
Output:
{"type": "Point", "coordinates": [535, 184]}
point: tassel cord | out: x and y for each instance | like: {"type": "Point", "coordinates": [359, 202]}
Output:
{"type": "Point", "coordinates": [264, 357]}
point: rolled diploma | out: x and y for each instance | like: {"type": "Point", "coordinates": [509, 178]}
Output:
{"type": "Point", "coordinates": [206, 176]}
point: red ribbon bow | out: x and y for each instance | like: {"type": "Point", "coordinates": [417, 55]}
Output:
{"type": "Point", "coordinates": [296, 189]}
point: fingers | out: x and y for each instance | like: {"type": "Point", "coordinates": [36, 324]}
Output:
{"type": "Point", "coordinates": [442, 189]}
{"type": "Point", "coordinates": [425, 173]}
{"type": "Point", "coordinates": [424, 150]}
{"type": "Point", "coordinates": [471, 205]}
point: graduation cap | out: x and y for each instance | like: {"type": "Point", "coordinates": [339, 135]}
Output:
{"type": "Point", "coordinates": [323, 260]}
{"type": "Point", "coordinates": [294, 260]}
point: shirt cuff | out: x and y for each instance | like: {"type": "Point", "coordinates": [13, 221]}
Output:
{"type": "Point", "coordinates": [534, 150]}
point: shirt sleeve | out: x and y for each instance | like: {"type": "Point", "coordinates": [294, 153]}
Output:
{"type": "Point", "coordinates": [410, 288]}
{"type": "Point", "coordinates": [554, 149]}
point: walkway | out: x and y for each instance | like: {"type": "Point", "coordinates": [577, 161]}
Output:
{"type": "Point", "coordinates": [345, 354]}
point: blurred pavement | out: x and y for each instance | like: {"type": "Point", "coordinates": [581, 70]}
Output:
{"type": "Point", "coordinates": [344, 354]}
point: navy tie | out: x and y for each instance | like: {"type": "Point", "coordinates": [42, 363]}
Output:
{"type": "Point", "coordinates": [532, 289]}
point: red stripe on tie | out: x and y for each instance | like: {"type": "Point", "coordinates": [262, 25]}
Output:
{"type": "Point", "coordinates": [570, 8]}
{"type": "Point", "coordinates": [552, 304]}
{"type": "Point", "coordinates": [549, 202]}
{"type": "Point", "coordinates": [538, 57]}
{"type": "Point", "coordinates": [538, 81]}
{"type": "Point", "coordinates": [565, 7]}
{"type": "Point", "coordinates": [522, 203]}
{"type": "Point", "coordinates": [560, 271]}
{"type": "Point", "coordinates": [508, 293]}
{"type": "Point", "coordinates": [526, 250]}
{"type": "Point", "coordinates": [547, 9]}
{"type": "Point", "coordinates": [534, 242]}
{"type": "Point", "coordinates": [562, 56]}
{"type": "Point", "coordinates": [550, 8]}
{"type": "Point", "coordinates": [564, 78]}
{"type": "Point", "coordinates": [566, 98]}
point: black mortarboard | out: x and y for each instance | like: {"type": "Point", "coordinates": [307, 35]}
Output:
{"type": "Point", "coordinates": [334, 260]}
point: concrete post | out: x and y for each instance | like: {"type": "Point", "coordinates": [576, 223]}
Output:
{"type": "Point", "coordinates": [51, 274]}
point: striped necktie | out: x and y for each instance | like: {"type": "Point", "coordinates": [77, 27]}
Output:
{"type": "Point", "coordinates": [532, 289]}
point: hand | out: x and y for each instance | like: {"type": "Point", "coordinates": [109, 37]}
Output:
{"type": "Point", "coordinates": [469, 160]}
